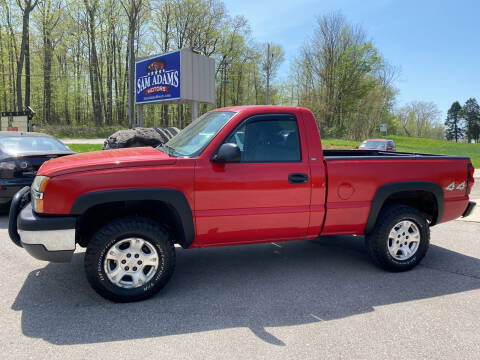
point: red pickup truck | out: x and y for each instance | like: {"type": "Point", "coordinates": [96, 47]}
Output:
{"type": "Point", "coordinates": [237, 175]}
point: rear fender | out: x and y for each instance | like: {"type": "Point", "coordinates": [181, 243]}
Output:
{"type": "Point", "coordinates": [387, 190]}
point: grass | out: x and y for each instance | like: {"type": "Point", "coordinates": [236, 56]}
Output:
{"type": "Point", "coordinates": [84, 147]}
{"type": "Point", "coordinates": [409, 144]}
{"type": "Point", "coordinates": [339, 144]}
{"type": "Point", "coordinates": [419, 145]}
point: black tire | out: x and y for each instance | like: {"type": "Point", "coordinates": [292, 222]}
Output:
{"type": "Point", "coordinates": [116, 231]}
{"type": "Point", "coordinates": [377, 241]}
{"type": "Point", "coordinates": [167, 132]}
{"type": "Point", "coordinates": [163, 135]}
{"type": "Point", "coordinates": [173, 130]}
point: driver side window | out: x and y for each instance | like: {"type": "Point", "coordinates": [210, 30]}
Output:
{"type": "Point", "coordinates": [268, 140]}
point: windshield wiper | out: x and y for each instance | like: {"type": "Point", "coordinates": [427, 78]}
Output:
{"type": "Point", "coordinates": [170, 150]}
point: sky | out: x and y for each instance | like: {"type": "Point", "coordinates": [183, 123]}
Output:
{"type": "Point", "coordinates": [436, 44]}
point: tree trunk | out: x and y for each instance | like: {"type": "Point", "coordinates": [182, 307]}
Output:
{"type": "Point", "coordinates": [125, 85]}
{"type": "Point", "coordinates": [12, 60]}
{"type": "Point", "coordinates": [109, 63]}
{"type": "Point", "coordinates": [25, 21]}
{"type": "Point", "coordinates": [90, 74]}
{"type": "Point", "coordinates": [115, 77]}
{"type": "Point", "coordinates": [66, 97]}
{"type": "Point", "coordinates": [77, 85]}
{"type": "Point", "coordinates": [3, 71]}
{"type": "Point", "coordinates": [94, 75]}
{"type": "Point", "coordinates": [47, 65]}
{"type": "Point", "coordinates": [131, 74]}
{"type": "Point", "coordinates": [255, 82]}
{"type": "Point", "coordinates": [47, 80]}
{"type": "Point", "coordinates": [11, 79]}
{"type": "Point", "coordinates": [27, 65]}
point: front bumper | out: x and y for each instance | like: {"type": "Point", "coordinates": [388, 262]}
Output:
{"type": "Point", "coordinates": [469, 209]}
{"type": "Point", "coordinates": [49, 238]}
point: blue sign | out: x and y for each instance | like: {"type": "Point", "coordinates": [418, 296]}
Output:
{"type": "Point", "coordinates": [158, 78]}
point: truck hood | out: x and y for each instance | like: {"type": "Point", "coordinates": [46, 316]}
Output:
{"type": "Point", "coordinates": [106, 159]}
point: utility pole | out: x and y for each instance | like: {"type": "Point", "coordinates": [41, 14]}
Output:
{"type": "Point", "coordinates": [224, 84]}
{"type": "Point", "coordinates": [268, 74]}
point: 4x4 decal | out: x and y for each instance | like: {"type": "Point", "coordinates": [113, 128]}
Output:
{"type": "Point", "coordinates": [452, 187]}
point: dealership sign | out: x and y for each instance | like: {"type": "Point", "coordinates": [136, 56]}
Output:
{"type": "Point", "coordinates": [158, 78]}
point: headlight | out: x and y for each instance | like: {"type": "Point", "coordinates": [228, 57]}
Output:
{"type": "Point", "coordinates": [38, 187]}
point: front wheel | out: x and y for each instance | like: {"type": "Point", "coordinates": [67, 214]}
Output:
{"type": "Point", "coordinates": [129, 259]}
{"type": "Point", "coordinates": [400, 238]}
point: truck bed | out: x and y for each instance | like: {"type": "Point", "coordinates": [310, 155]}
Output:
{"type": "Point", "coordinates": [355, 175]}
{"type": "Point", "coordinates": [379, 154]}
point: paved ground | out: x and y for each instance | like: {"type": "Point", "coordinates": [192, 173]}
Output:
{"type": "Point", "coordinates": [299, 300]}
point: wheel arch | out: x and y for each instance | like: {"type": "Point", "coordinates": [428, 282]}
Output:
{"type": "Point", "coordinates": [170, 204]}
{"type": "Point", "coordinates": [423, 195]}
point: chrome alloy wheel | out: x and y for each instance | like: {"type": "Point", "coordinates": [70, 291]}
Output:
{"type": "Point", "coordinates": [404, 240]}
{"type": "Point", "coordinates": [131, 262]}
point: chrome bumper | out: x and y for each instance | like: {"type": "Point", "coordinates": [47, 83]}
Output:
{"type": "Point", "coordinates": [52, 240]}
{"type": "Point", "coordinates": [49, 245]}
{"type": "Point", "coordinates": [49, 238]}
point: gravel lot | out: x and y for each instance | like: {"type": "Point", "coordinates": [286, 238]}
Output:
{"type": "Point", "coordinates": [299, 300]}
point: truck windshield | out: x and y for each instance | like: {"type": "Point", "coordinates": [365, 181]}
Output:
{"type": "Point", "coordinates": [195, 137]}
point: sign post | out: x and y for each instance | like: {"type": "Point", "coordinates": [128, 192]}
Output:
{"type": "Point", "coordinates": [383, 128]}
{"type": "Point", "coordinates": [140, 115]}
{"type": "Point", "coordinates": [179, 77]}
{"type": "Point", "coordinates": [17, 121]}
{"type": "Point", "coordinates": [194, 110]}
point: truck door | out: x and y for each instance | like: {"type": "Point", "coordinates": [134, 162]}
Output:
{"type": "Point", "coordinates": [264, 197]}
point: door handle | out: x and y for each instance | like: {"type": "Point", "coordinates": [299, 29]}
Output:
{"type": "Point", "coordinates": [297, 178]}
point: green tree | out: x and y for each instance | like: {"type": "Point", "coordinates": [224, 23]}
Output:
{"type": "Point", "coordinates": [344, 80]}
{"type": "Point", "coordinates": [272, 58]}
{"type": "Point", "coordinates": [453, 127]}
{"type": "Point", "coordinates": [420, 119]}
{"type": "Point", "coordinates": [471, 114]}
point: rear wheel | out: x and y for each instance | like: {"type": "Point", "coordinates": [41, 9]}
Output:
{"type": "Point", "coordinates": [400, 238]}
{"type": "Point", "coordinates": [129, 259]}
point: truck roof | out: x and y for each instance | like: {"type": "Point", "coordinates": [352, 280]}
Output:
{"type": "Point", "coordinates": [262, 108]}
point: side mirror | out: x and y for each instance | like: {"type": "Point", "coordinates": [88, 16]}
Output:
{"type": "Point", "coordinates": [227, 153]}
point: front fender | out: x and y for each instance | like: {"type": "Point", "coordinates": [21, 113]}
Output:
{"type": "Point", "coordinates": [173, 198]}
